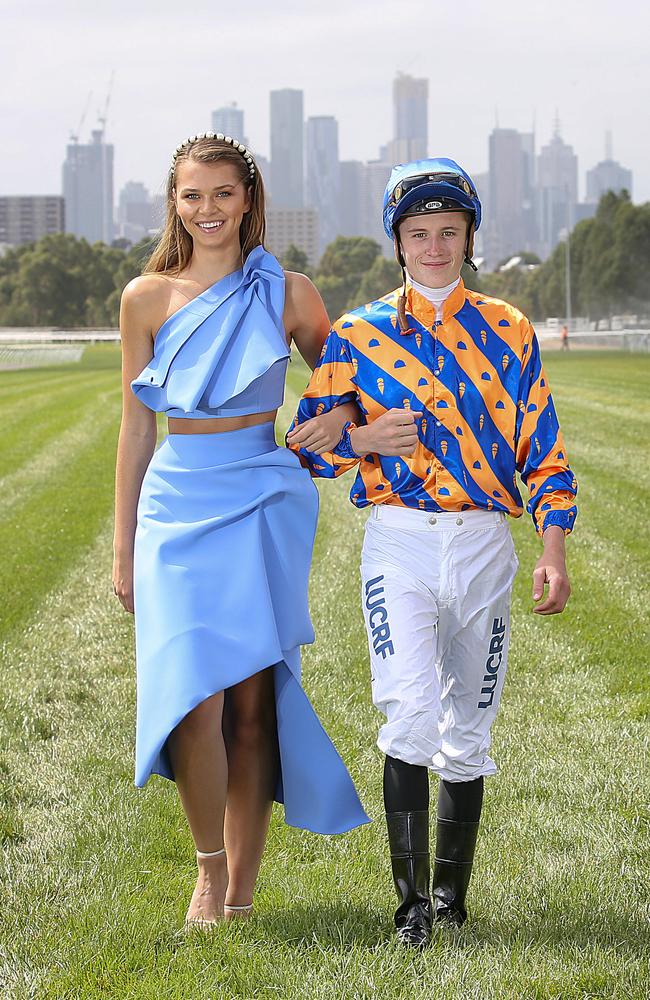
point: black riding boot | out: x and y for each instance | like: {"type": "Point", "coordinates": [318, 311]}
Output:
{"type": "Point", "coordinates": [408, 836]}
{"type": "Point", "coordinates": [459, 810]}
{"type": "Point", "coordinates": [455, 843]}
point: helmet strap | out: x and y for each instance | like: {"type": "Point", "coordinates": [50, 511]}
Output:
{"type": "Point", "coordinates": [404, 326]}
{"type": "Point", "coordinates": [469, 247]}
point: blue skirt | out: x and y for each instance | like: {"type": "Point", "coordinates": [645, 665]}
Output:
{"type": "Point", "coordinates": [226, 526]}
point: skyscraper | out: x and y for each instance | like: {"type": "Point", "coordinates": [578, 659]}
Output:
{"type": "Point", "coordinates": [323, 176]}
{"type": "Point", "coordinates": [608, 175]}
{"type": "Point", "coordinates": [287, 148]}
{"type": "Point", "coordinates": [510, 225]}
{"type": "Point", "coordinates": [410, 118]}
{"type": "Point", "coordinates": [88, 189]}
{"type": "Point", "coordinates": [557, 183]}
{"type": "Point", "coordinates": [230, 121]}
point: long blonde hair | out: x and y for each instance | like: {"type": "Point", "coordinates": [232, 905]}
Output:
{"type": "Point", "coordinates": [174, 248]}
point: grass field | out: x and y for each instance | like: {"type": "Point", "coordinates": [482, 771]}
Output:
{"type": "Point", "coordinates": [96, 875]}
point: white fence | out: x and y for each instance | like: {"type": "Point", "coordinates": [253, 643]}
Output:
{"type": "Point", "coordinates": [619, 340]}
{"type": "Point", "coordinates": [21, 348]}
{"type": "Point", "coordinates": [22, 335]}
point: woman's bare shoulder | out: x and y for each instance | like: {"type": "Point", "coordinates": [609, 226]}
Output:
{"type": "Point", "coordinates": [146, 301]}
{"type": "Point", "coordinates": [147, 290]}
{"type": "Point", "coordinates": [297, 284]}
{"type": "Point", "coordinates": [301, 294]}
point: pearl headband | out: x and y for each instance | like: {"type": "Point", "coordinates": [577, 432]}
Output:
{"type": "Point", "coordinates": [220, 137]}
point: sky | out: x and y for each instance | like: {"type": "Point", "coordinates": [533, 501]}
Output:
{"type": "Point", "coordinates": [519, 64]}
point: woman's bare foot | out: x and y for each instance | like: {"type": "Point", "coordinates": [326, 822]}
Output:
{"type": "Point", "coordinates": [206, 905]}
{"type": "Point", "coordinates": [232, 912]}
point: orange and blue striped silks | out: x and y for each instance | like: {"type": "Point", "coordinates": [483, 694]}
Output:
{"type": "Point", "coordinates": [487, 412]}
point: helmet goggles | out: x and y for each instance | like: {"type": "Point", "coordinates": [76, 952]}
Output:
{"type": "Point", "coordinates": [454, 180]}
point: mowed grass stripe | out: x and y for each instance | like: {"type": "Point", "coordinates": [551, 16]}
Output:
{"type": "Point", "coordinates": [607, 429]}
{"type": "Point", "coordinates": [19, 386]}
{"type": "Point", "coordinates": [602, 630]}
{"type": "Point", "coordinates": [621, 455]}
{"type": "Point", "coordinates": [612, 538]}
{"type": "Point", "coordinates": [617, 572]}
{"type": "Point", "coordinates": [67, 675]}
{"type": "Point", "coordinates": [59, 516]}
{"type": "Point", "coordinates": [66, 770]}
{"type": "Point", "coordinates": [625, 464]}
{"type": "Point", "coordinates": [32, 404]}
{"type": "Point", "coordinates": [610, 395]}
{"type": "Point", "coordinates": [616, 415]}
{"type": "Point", "coordinates": [616, 376]}
{"type": "Point", "coordinates": [611, 494]}
{"type": "Point", "coordinates": [17, 409]}
{"type": "Point", "coordinates": [37, 407]}
{"type": "Point", "coordinates": [55, 504]}
{"type": "Point", "coordinates": [32, 453]}
{"type": "Point", "coordinates": [557, 898]}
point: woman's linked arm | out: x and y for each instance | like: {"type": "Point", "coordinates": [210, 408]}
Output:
{"type": "Point", "coordinates": [310, 325]}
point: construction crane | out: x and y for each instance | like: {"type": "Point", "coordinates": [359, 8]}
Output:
{"type": "Point", "coordinates": [102, 116]}
{"type": "Point", "coordinates": [74, 136]}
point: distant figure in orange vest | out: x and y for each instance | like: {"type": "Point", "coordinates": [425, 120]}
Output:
{"type": "Point", "coordinates": [564, 337]}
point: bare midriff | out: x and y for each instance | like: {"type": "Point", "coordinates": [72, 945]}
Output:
{"type": "Point", "coordinates": [214, 425]}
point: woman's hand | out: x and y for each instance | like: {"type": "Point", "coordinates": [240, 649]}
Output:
{"type": "Point", "coordinates": [322, 433]}
{"type": "Point", "coordinates": [123, 582]}
{"type": "Point", "coordinates": [319, 434]}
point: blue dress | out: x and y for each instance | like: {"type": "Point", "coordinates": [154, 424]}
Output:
{"type": "Point", "coordinates": [223, 546]}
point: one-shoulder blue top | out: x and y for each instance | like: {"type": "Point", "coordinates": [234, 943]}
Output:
{"type": "Point", "coordinates": [225, 353]}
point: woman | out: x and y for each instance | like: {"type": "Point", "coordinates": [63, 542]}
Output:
{"type": "Point", "coordinates": [217, 565]}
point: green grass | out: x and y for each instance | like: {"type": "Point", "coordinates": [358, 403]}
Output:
{"type": "Point", "coordinates": [96, 874]}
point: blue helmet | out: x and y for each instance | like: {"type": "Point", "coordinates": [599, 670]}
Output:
{"type": "Point", "coordinates": [425, 186]}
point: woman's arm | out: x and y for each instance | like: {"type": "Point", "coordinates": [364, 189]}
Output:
{"type": "Point", "coordinates": [305, 318]}
{"type": "Point", "coordinates": [137, 438]}
{"type": "Point", "coordinates": [307, 324]}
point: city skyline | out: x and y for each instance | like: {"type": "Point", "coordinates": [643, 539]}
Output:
{"type": "Point", "coordinates": [529, 197]}
{"type": "Point", "coordinates": [511, 69]}
{"type": "Point", "coordinates": [385, 144]}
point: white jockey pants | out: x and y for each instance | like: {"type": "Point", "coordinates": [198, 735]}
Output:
{"type": "Point", "coordinates": [436, 601]}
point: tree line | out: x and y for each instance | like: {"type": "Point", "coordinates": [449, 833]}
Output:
{"type": "Point", "coordinates": [67, 282]}
{"type": "Point", "coordinates": [609, 258]}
